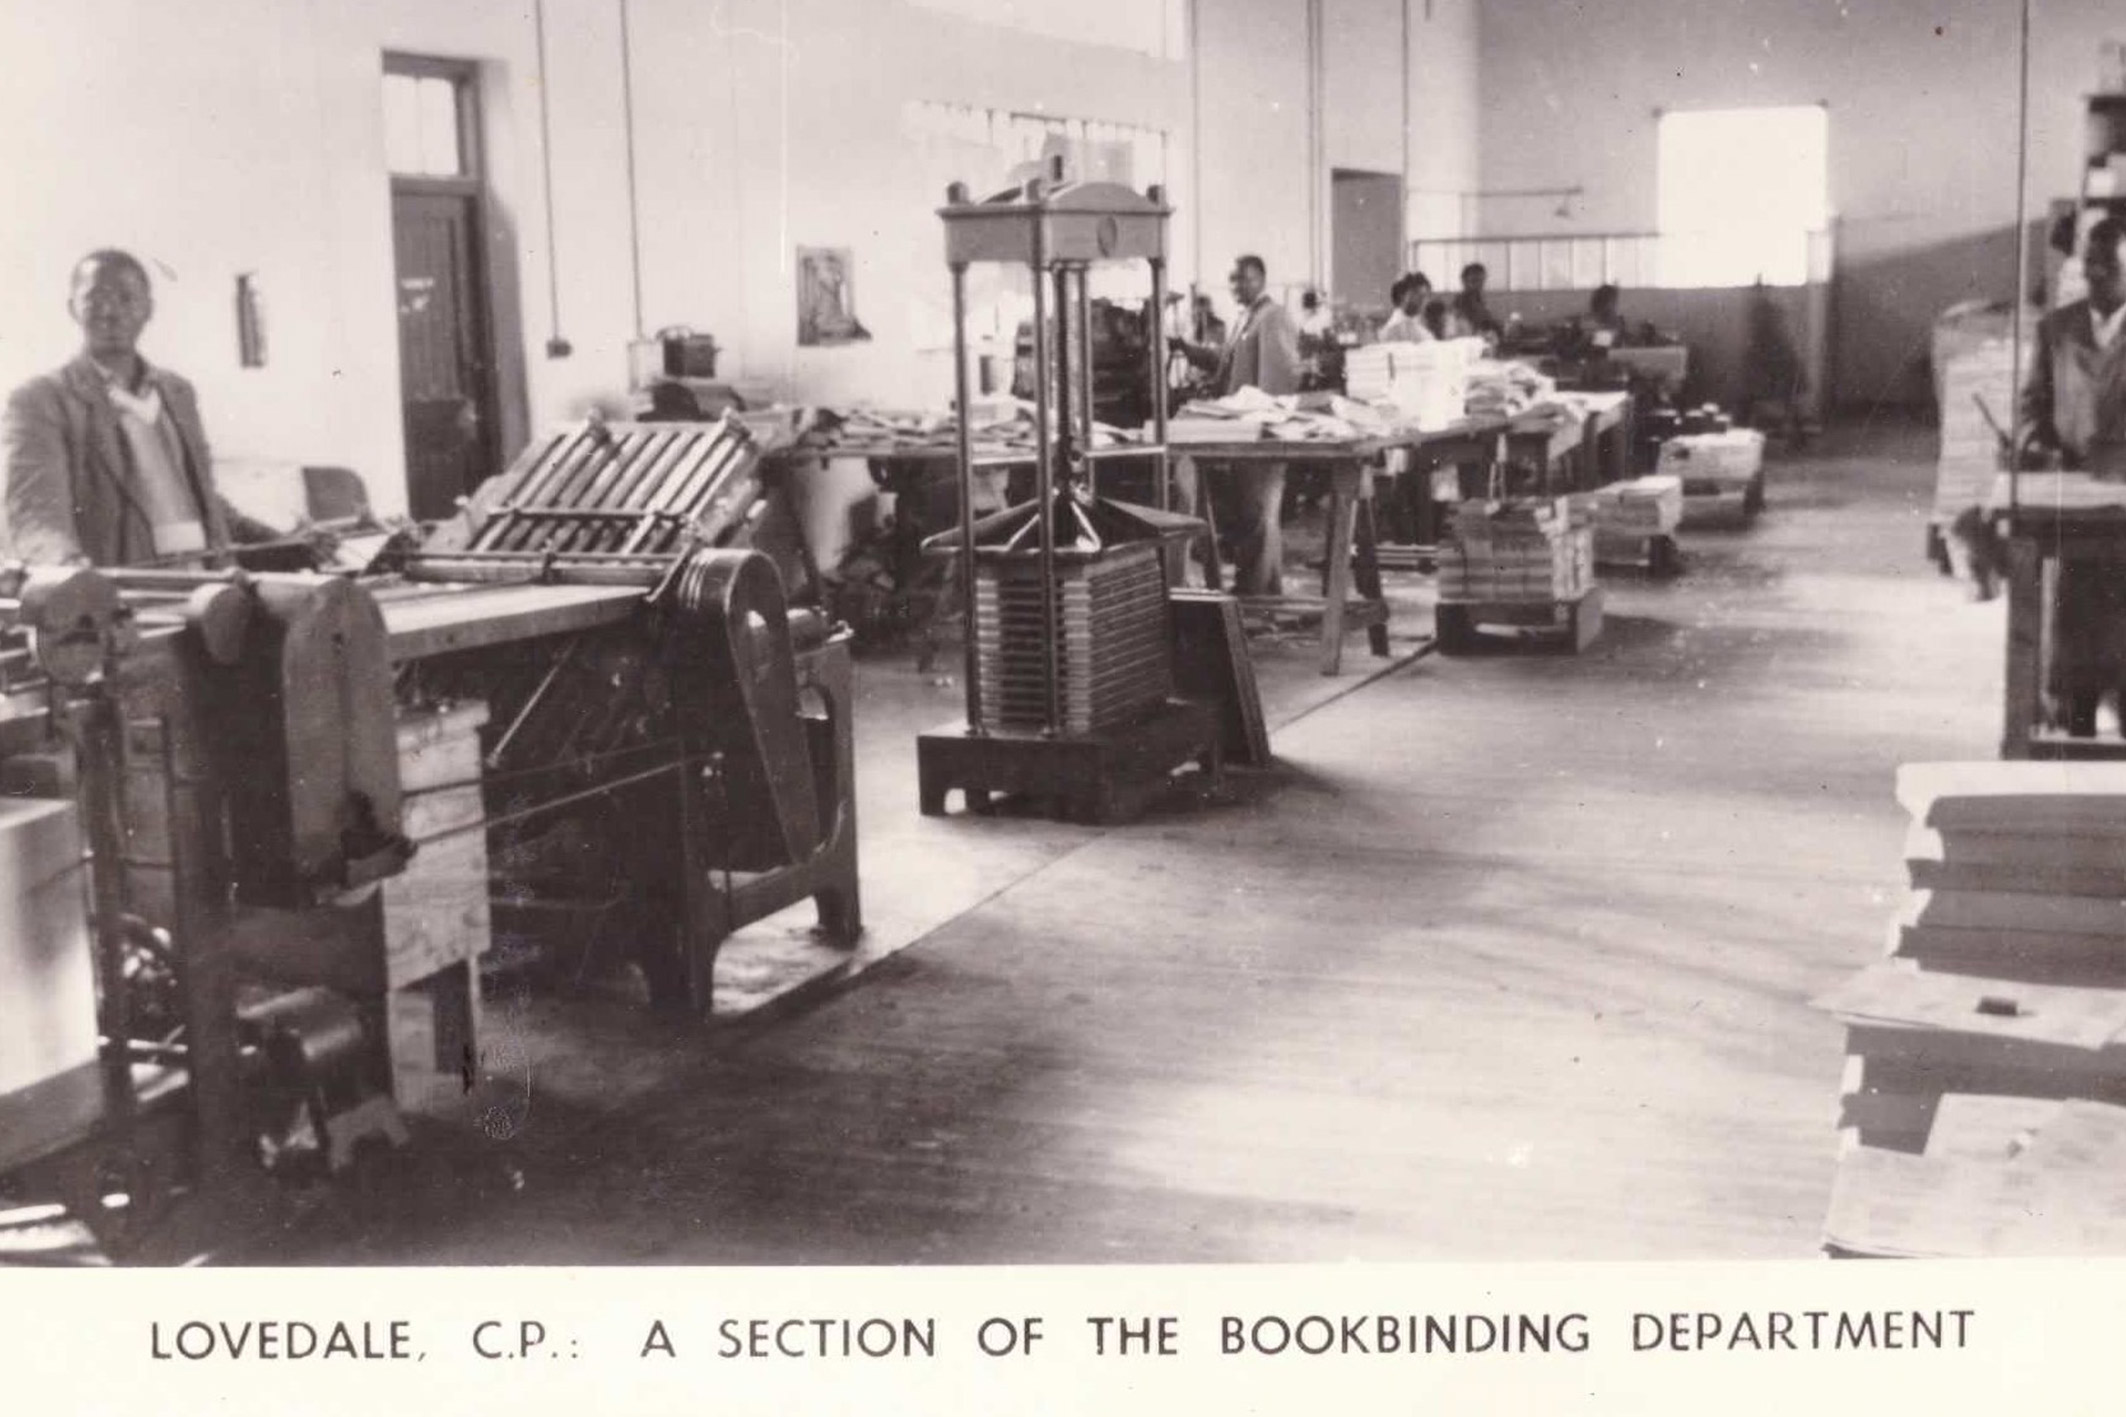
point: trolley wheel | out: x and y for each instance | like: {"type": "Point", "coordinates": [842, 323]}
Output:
{"type": "Point", "coordinates": [1663, 560]}
{"type": "Point", "coordinates": [1753, 498]}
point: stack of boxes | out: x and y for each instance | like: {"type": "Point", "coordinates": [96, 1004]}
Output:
{"type": "Point", "coordinates": [1528, 551]}
{"type": "Point", "coordinates": [1987, 1055]}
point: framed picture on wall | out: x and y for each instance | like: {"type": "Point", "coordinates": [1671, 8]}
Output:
{"type": "Point", "coordinates": [826, 302]}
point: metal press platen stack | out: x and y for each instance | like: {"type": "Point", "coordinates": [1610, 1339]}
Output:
{"type": "Point", "coordinates": [1110, 640]}
{"type": "Point", "coordinates": [1069, 656]}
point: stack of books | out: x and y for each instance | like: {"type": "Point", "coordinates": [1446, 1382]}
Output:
{"type": "Point", "coordinates": [1529, 550]}
{"type": "Point", "coordinates": [1426, 384]}
{"type": "Point", "coordinates": [1634, 510]}
{"type": "Point", "coordinates": [1987, 1055]}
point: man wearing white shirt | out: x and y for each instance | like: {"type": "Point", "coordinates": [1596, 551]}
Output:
{"type": "Point", "coordinates": [2074, 409]}
{"type": "Point", "coordinates": [106, 460]}
{"type": "Point", "coordinates": [1407, 324]}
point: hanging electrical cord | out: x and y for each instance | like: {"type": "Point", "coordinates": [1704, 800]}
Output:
{"type": "Point", "coordinates": [2022, 260]}
{"type": "Point", "coordinates": [556, 346]}
{"type": "Point", "coordinates": [634, 205]}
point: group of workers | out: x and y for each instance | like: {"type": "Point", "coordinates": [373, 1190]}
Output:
{"type": "Point", "coordinates": [1418, 316]}
{"type": "Point", "coordinates": [107, 463]}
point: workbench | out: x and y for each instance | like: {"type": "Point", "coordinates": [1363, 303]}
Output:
{"type": "Point", "coordinates": [1580, 453]}
{"type": "Point", "coordinates": [1351, 559]}
{"type": "Point", "coordinates": [2043, 531]}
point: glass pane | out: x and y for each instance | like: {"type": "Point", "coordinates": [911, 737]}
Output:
{"type": "Point", "coordinates": [402, 124]}
{"type": "Point", "coordinates": [1740, 189]}
{"type": "Point", "coordinates": [439, 128]}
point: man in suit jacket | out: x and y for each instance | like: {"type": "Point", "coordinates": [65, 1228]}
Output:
{"type": "Point", "coordinates": [2074, 410]}
{"type": "Point", "coordinates": [106, 459]}
{"type": "Point", "coordinates": [1263, 351]}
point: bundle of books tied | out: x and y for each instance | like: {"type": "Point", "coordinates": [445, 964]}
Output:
{"type": "Point", "coordinates": [1987, 1055]}
{"type": "Point", "coordinates": [1529, 549]}
{"type": "Point", "coordinates": [1642, 507]}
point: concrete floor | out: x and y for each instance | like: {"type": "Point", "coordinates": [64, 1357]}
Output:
{"type": "Point", "coordinates": [1508, 959]}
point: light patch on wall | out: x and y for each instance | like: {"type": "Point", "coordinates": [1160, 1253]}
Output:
{"type": "Point", "coordinates": [1742, 191]}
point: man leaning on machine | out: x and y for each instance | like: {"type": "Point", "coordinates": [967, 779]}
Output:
{"type": "Point", "coordinates": [106, 458]}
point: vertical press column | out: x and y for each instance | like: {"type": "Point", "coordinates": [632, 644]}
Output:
{"type": "Point", "coordinates": [1162, 498]}
{"type": "Point", "coordinates": [1081, 277]}
{"type": "Point", "coordinates": [1044, 480]}
{"type": "Point", "coordinates": [962, 415]}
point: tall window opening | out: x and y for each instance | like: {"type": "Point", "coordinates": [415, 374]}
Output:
{"type": "Point", "coordinates": [1743, 193]}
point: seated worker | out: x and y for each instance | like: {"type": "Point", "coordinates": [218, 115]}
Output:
{"type": "Point", "coordinates": [1471, 314]}
{"type": "Point", "coordinates": [2073, 413]}
{"type": "Point", "coordinates": [1263, 352]}
{"type": "Point", "coordinates": [1604, 327]}
{"type": "Point", "coordinates": [1210, 330]}
{"type": "Point", "coordinates": [1407, 322]}
{"type": "Point", "coordinates": [1313, 318]}
{"type": "Point", "coordinates": [106, 460]}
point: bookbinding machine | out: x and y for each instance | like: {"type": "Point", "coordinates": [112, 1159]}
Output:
{"type": "Point", "coordinates": [257, 830]}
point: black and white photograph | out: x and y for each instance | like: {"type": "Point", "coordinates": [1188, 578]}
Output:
{"type": "Point", "coordinates": [1454, 633]}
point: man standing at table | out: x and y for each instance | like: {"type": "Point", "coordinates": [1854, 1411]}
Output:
{"type": "Point", "coordinates": [2074, 415]}
{"type": "Point", "coordinates": [106, 459]}
{"type": "Point", "coordinates": [1263, 351]}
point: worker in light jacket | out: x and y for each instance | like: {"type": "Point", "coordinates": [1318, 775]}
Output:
{"type": "Point", "coordinates": [2074, 415]}
{"type": "Point", "coordinates": [1262, 352]}
{"type": "Point", "coordinates": [106, 460]}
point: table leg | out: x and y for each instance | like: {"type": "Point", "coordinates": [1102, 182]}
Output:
{"type": "Point", "coordinates": [2026, 629]}
{"type": "Point", "coordinates": [1190, 480]}
{"type": "Point", "coordinates": [1365, 573]}
{"type": "Point", "coordinates": [1343, 513]}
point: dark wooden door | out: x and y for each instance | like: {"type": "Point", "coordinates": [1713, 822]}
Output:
{"type": "Point", "coordinates": [444, 379]}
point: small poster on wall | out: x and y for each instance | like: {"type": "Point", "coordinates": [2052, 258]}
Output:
{"type": "Point", "coordinates": [826, 302]}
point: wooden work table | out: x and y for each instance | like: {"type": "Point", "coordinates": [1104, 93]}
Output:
{"type": "Point", "coordinates": [1351, 555]}
{"type": "Point", "coordinates": [1579, 453]}
{"type": "Point", "coordinates": [2059, 518]}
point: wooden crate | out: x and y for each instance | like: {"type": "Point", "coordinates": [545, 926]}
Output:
{"type": "Point", "coordinates": [434, 1028]}
{"type": "Point", "coordinates": [437, 917]}
{"type": "Point", "coordinates": [436, 912]}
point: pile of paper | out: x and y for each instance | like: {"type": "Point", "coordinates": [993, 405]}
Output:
{"type": "Point", "coordinates": [1505, 387]}
{"type": "Point", "coordinates": [2036, 1178]}
{"type": "Point", "coordinates": [1249, 413]}
{"type": "Point", "coordinates": [999, 426]}
{"type": "Point", "coordinates": [2006, 982]}
{"type": "Point", "coordinates": [1426, 385]}
{"type": "Point", "coordinates": [1528, 550]}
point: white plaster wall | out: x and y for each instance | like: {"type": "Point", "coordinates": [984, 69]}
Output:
{"type": "Point", "coordinates": [1923, 133]}
{"type": "Point", "coordinates": [223, 136]}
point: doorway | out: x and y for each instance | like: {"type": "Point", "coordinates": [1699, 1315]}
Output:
{"type": "Point", "coordinates": [1365, 236]}
{"type": "Point", "coordinates": [447, 385]}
